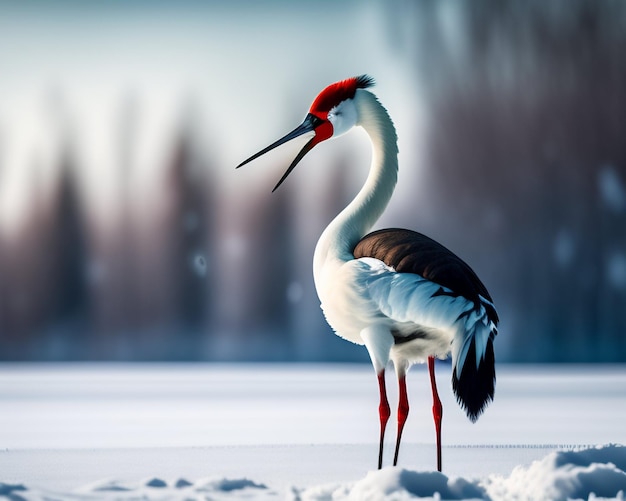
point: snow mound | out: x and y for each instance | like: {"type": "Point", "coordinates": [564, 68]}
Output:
{"type": "Point", "coordinates": [396, 484]}
{"type": "Point", "coordinates": [595, 473]}
{"type": "Point", "coordinates": [588, 474]}
{"type": "Point", "coordinates": [8, 490]}
{"type": "Point", "coordinates": [228, 485]}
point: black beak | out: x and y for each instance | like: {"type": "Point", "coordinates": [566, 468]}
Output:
{"type": "Point", "coordinates": [309, 125]}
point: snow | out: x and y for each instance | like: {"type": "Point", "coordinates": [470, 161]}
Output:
{"type": "Point", "coordinates": [302, 432]}
{"type": "Point", "coordinates": [567, 475]}
{"type": "Point", "coordinates": [585, 474]}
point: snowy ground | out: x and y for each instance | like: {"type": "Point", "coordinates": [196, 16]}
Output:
{"type": "Point", "coordinates": [183, 432]}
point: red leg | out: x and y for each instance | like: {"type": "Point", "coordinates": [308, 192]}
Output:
{"type": "Point", "coordinates": [437, 408]}
{"type": "Point", "coordinates": [384, 412]}
{"type": "Point", "coordinates": [403, 412]}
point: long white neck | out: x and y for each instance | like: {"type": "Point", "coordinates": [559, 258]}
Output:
{"type": "Point", "coordinates": [344, 232]}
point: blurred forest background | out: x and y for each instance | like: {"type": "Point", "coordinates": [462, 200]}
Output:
{"type": "Point", "coordinates": [126, 233]}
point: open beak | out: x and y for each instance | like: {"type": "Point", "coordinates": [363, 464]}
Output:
{"type": "Point", "coordinates": [309, 125]}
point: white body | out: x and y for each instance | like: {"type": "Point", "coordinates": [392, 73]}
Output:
{"type": "Point", "coordinates": [364, 300]}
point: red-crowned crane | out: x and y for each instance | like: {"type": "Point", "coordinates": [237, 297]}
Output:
{"type": "Point", "coordinates": [401, 294]}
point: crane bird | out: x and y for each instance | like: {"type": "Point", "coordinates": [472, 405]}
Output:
{"type": "Point", "coordinates": [404, 296]}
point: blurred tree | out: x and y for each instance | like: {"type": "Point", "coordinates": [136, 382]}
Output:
{"type": "Point", "coordinates": [66, 253]}
{"type": "Point", "coordinates": [45, 297]}
{"type": "Point", "coordinates": [191, 257]}
{"type": "Point", "coordinates": [267, 272]}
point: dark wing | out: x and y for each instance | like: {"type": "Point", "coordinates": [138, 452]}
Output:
{"type": "Point", "coordinates": [408, 251]}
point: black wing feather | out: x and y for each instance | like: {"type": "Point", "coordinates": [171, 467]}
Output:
{"type": "Point", "coordinates": [475, 387]}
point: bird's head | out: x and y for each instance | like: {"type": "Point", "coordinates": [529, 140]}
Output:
{"type": "Point", "coordinates": [332, 113]}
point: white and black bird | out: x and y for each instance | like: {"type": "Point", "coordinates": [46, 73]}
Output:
{"type": "Point", "coordinates": [404, 296]}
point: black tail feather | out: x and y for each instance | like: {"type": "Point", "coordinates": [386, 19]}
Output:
{"type": "Point", "coordinates": [475, 387]}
